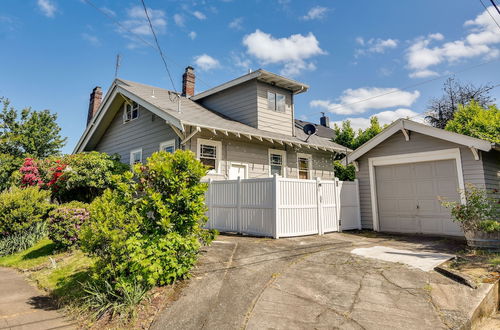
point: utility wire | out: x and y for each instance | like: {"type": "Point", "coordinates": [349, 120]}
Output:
{"type": "Point", "coordinates": [158, 45]}
{"type": "Point", "coordinates": [486, 8]}
{"type": "Point", "coordinates": [135, 36]}
{"type": "Point", "coordinates": [495, 5]}
{"type": "Point", "coordinates": [396, 90]}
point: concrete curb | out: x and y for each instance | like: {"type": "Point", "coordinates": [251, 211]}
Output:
{"type": "Point", "coordinates": [486, 308]}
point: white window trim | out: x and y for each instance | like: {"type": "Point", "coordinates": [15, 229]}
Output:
{"type": "Point", "coordinates": [444, 154]}
{"type": "Point", "coordinates": [240, 164]}
{"type": "Point", "coordinates": [276, 101]}
{"type": "Point", "coordinates": [216, 144]}
{"type": "Point", "coordinates": [133, 152]}
{"type": "Point", "coordinates": [283, 156]}
{"type": "Point", "coordinates": [169, 143]}
{"type": "Point", "coordinates": [309, 170]}
{"type": "Point", "coordinates": [125, 111]}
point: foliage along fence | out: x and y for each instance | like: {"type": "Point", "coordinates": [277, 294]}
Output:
{"type": "Point", "coordinates": [281, 207]}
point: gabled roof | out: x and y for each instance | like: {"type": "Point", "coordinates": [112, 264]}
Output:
{"type": "Point", "coordinates": [321, 131]}
{"type": "Point", "coordinates": [409, 125]}
{"type": "Point", "coordinates": [261, 75]}
{"type": "Point", "coordinates": [164, 103]}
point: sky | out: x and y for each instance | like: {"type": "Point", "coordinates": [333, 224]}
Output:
{"type": "Point", "coordinates": [360, 58]}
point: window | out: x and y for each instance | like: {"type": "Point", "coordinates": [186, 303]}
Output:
{"type": "Point", "coordinates": [209, 153]}
{"type": "Point", "coordinates": [168, 146]}
{"type": "Point", "coordinates": [135, 156]}
{"type": "Point", "coordinates": [304, 166]}
{"type": "Point", "coordinates": [276, 102]}
{"type": "Point", "coordinates": [277, 162]}
{"type": "Point", "coordinates": [130, 111]}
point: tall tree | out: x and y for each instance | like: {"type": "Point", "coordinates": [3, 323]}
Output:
{"type": "Point", "coordinates": [344, 135]}
{"type": "Point", "coordinates": [477, 121]}
{"type": "Point", "coordinates": [26, 133]}
{"type": "Point", "coordinates": [442, 109]}
{"type": "Point", "coordinates": [368, 133]}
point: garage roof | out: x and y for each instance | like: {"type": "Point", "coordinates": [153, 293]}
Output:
{"type": "Point", "coordinates": [406, 125]}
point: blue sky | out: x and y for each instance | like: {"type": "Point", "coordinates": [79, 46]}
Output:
{"type": "Point", "coordinates": [55, 51]}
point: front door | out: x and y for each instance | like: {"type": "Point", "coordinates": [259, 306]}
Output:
{"type": "Point", "coordinates": [237, 171]}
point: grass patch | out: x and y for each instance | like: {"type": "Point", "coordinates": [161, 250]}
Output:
{"type": "Point", "coordinates": [34, 257]}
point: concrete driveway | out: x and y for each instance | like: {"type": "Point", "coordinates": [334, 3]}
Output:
{"type": "Point", "coordinates": [316, 282]}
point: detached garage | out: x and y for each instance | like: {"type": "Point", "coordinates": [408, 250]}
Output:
{"type": "Point", "coordinates": [404, 169]}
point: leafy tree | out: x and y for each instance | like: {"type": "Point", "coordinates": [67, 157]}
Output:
{"type": "Point", "coordinates": [477, 121]}
{"type": "Point", "coordinates": [367, 134]}
{"type": "Point", "coordinates": [442, 109]}
{"type": "Point", "coordinates": [23, 134]}
{"type": "Point", "coordinates": [344, 135]}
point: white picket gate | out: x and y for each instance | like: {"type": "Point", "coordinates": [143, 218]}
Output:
{"type": "Point", "coordinates": [281, 207]}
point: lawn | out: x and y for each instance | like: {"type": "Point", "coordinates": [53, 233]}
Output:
{"type": "Point", "coordinates": [58, 273]}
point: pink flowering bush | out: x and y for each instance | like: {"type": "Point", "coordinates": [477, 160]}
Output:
{"type": "Point", "coordinates": [30, 175]}
{"type": "Point", "coordinates": [64, 224]}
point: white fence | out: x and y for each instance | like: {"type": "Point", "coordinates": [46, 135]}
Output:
{"type": "Point", "coordinates": [280, 207]}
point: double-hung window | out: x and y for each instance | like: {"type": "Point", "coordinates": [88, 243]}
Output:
{"type": "Point", "coordinates": [130, 111]}
{"type": "Point", "coordinates": [277, 162]}
{"type": "Point", "coordinates": [135, 156]}
{"type": "Point", "coordinates": [276, 101]}
{"type": "Point", "coordinates": [304, 165]}
{"type": "Point", "coordinates": [209, 153]}
{"type": "Point", "coordinates": [168, 146]}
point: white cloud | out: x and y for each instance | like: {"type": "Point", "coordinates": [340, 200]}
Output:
{"type": "Point", "coordinates": [199, 15]}
{"type": "Point", "coordinates": [192, 35]}
{"type": "Point", "coordinates": [108, 11]}
{"type": "Point", "coordinates": [206, 62]}
{"type": "Point", "coordinates": [316, 12]}
{"type": "Point", "coordinates": [241, 61]}
{"type": "Point", "coordinates": [236, 24]}
{"type": "Point", "coordinates": [366, 98]}
{"type": "Point", "coordinates": [179, 20]}
{"type": "Point", "coordinates": [483, 35]}
{"type": "Point", "coordinates": [292, 52]}
{"type": "Point", "coordinates": [93, 40]}
{"type": "Point", "coordinates": [47, 7]}
{"type": "Point", "coordinates": [375, 45]}
{"type": "Point", "coordinates": [138, 24]}
{"type": "Point", "coordinates": [384, 117]}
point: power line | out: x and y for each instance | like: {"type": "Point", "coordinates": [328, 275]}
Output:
{"type": "Point", "coordinates": [158, 45]}
{"type": "Point", "coordinates": [495, 5]}
{"type": "Point", "coordinates": [396, 90]}
{"type": "Point", "coordinates": [135, 36]}
{"type": "Point", "coordinates": [486, 8]}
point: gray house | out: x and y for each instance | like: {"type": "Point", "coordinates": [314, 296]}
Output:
{"type": "Point", "coordinates": [404, 169]}
{"type": "Point", "coordinates": [243, 128]}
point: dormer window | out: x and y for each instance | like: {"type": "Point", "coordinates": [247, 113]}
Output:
{"type": "Point", "coordinates": [276, 102]}
{"type": "Point", "coordinates": [130, 111]}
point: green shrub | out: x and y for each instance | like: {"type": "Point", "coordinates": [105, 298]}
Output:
{"type": "Point", "coordinates": [21, 208]}
{"type": "Point", "coordinates": [85, 176]}
{"type": "Point", "coordinates": [344, 173]}
{"type": "Point", "coordinates": [148, 231]}
{"type": "Point", "coordinates": [24, 240]}
{"type": "Point", "coordinates": [478, 212]}
{"type": "Point", "coordinates": [64, 224]}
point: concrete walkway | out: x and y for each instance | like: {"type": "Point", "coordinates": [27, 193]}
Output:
{"type": "Point", "coordinates": [316, 282]}
{"type": "Point", "coordinates": [24, 307]}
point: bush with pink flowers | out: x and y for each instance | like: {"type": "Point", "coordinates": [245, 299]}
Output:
{"type": "Point", "coordinates": [64, 224]}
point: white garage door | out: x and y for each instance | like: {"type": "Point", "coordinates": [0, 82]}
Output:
{"type": "Point", "coordinates": [407, 196]}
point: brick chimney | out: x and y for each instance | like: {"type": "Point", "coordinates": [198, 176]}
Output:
{"type": "Point", "coordinates": [188, 79]}
{"type": "Point", "coordinates": [324, 120]}
{"type": "Point", "coordinates": [94, 103]}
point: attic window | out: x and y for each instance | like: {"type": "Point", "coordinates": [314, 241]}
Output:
{"type": "Point", "coordinates": [130, 111]}
{"type": "Point", "coordinates": [276, 102]}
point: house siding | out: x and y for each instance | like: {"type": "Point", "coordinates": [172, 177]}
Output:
{"type": "Point", "coordinates": [273, 121]}
{"type": "Point", "coordinates": [238, 103]}
{"type": "Point", "coordinates": [491, 166]}
{"type": "Point", "coordinates": [255, 154]}
{"type": "Point", "coordinates": [473, 170]}
{"type": "Point", "coordinates": [146, 132]}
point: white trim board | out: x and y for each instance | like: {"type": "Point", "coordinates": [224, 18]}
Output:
{"type": "Point", "coordinates": [411, 126]}
{"type": "Point", "coordinates": [417, 157]}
